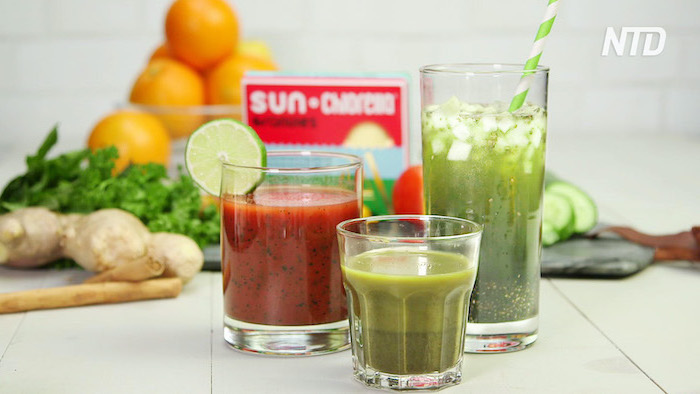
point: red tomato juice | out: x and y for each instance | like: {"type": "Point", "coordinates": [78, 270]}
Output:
{"type": "Point", "coordinates": [280, 257]}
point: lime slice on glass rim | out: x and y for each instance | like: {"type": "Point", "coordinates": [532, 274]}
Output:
{"type": "Point", "coordinates": [229, 141]}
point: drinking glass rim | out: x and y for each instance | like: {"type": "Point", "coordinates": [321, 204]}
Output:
{"type": "Point", "coordinates": [354, 161]}
{"type": "Point", "coordinates": [473, 68]}
{"type": "Point", "coordinates": [388, 238]}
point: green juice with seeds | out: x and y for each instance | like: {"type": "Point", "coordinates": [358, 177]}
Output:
{"type": "Point", "coordinates": [485, 164]}
{"type": "Point", "coordinates": [408, 308]}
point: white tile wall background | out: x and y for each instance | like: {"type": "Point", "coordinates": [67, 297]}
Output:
{"type": "Point", "coordinates": [72, 61]}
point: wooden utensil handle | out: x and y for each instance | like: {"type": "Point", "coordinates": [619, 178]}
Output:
{"type": "Point", "coordinates": [674, 254]}
{"type": "Point", "coordinates": [89, 294]}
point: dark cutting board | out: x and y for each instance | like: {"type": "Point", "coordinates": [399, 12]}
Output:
{"type": "Point", "coordinates": [600, 257]}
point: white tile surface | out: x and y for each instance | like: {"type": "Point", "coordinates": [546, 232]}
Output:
{"type": "Point", "coordinates": [177, 336]}
{"type": "Point", "coordinates": [596, 14]}
{"type": "Point", "coordinates": [75, 115]}
{"type": "Point", "coordinates": [516, 15]}
{"type": "Point", "coordinates": [79, 65]}
{"type": "Point", "coordinates": [317, 53]}
{"type": "Point", "coordinates": [95, 17]}
{"type": "Point", "coordinates": [643, 316]}
{"type": "Point", "coordinates": [15, 280]}
{"type": "Point", "coordinates": [690, 58]}
{"type": "Point", "coordinates": [69, 46]}
{"type": "Point", "coordinates": [154, 17]}
{"type": "Point", "coordinates": [564, 109]}
{"type": "Point", "coordinates": [391, 17]}
{"type": "Point", "coordinates": [159, 345]}
{"type": "Point", "coordinates": [272, 16]}
{"type": "Point", "coordinates": [639, 70]}
{"type": "Point", "coordinates": [569, 356]}
{"type": "Point", "coordinates": [572, 58]}
{"type": "Point", "coordinates": [22, 18]}
{"type": "Point", "coordinates": [681, 110]}
{"type": "Point", "coordinates": [8, 79]}
{"type": "Point", "coordinates": [621, 110]}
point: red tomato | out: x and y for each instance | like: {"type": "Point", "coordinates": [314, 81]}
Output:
{"type": "Point", "coordinates": [408, 192]}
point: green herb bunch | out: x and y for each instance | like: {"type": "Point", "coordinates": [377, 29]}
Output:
{"type": "Point", "coordinates": [82, 181]}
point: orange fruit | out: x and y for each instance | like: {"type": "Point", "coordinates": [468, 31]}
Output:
{"type": "Point", "coordinates": [201, 32]}
{"type": "Point", "coordinates": [167, 82]}
{"type": "Point", "coordinates": [139, 137]}
{"type": "Point", "coordinates": [223, 82]}
{"type": "Point", "coordinates": [160, 52]}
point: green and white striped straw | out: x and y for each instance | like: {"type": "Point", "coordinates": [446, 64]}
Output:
{"type": "Point", "coordinates": [535, 53]}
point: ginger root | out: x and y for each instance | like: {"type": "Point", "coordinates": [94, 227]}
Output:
{"type": "Point", "coordinates": [99, 241]}
{"type": "Point", "coordinates": [30, 237]}
{"type": "Point", "coordinates": [181, 255]}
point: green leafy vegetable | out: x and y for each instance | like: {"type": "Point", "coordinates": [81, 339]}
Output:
{"type": "Point", "coordinates": [82, 181]}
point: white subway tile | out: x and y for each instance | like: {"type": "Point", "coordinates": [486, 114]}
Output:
{"type": "Point", "coordinates": [485, 15]}
{"type": "Point", "coordinates": [390, 17]}
{"type": "Point", "coordinates": [90, 16]}
{"type": "Point", "coordinates": [435, 17]}
{"type": "Point", "coordinates": [689, 62]}
{"type": "Point", "coordinates": [81, 64]}
{"type": "Point", "coordinates": [255, 16]}
{"type": "Point", "coordinates": [346, 16]}
{"type": "Point", "coordinates": [315, 52]}
{"type": "Point", "coordinates": [564, 114]}
{"type": "Point", "coordinates": [21, 18]}
{"type": "Point", "coordinates": [8, 74]}
{"type": "Point", "coordinates": [407, 55]}
{"type": "Point", "coordinates": [101, 46]}
{"type": "Point", "coordinates": [155, 11]}
{"type": "Point", "coordinates": [571, 57]}
{"type": "Point", "coordinates": [682, 111]}
{"type": "Point", "coordinates": [598, 14]}
{"type": "Point", "coordinates": [510, 48]}
{"type": "Point", "coordinates": [389, 53]}
{"type": "Point", "coordinates": [620, 110]}
{"type": "Point", "coordinates": [25, 120]}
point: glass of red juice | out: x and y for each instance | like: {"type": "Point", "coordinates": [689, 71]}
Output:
{"type": "Point", "coordinates": [283, 290]}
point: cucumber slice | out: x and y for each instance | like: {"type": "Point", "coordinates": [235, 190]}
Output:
{"type": "Point", "coordinates": [585, 211]}
{"type": "Point", "coordinates": [550, 178]}
{"type": "Point", "coordinates": [549, 234]}
{"type": "Point", "coordinates": [558, 212]}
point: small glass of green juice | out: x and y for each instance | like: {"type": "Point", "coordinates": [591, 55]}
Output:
{"type": "Point", "coordinates": [408, 279]}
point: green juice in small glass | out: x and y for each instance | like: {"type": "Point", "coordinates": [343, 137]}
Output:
{"type": "Point", "coordinates": [407, 308]}
{"type": "Point", "coordinates": [485, 164]}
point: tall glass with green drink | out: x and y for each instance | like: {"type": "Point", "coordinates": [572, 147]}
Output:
{"type": "Point", "coordinates": [486, 164]}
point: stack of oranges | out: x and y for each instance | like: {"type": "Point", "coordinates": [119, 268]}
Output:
{"type": "Point", "coordinates": [200, 63]}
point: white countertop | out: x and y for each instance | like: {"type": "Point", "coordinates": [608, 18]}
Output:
{"type": "Point", "coordinates": [636, 335]}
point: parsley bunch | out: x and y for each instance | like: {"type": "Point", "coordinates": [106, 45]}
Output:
{"type": "Point", "coordinates": [82, 182]}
